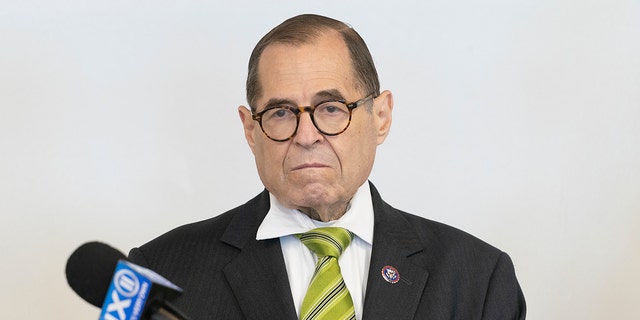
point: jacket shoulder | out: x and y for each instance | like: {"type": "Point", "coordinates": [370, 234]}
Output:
{"type": "Point", "coordinates": [202, 237]}
{"type": "Point", "coordinates": [446, 235]}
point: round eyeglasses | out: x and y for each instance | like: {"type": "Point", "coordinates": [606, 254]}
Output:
{"type": "Point", "coordinates": [280, 122]}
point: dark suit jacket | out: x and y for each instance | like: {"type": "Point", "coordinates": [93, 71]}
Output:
{"type": "Point", "coordinates": [227, 274]}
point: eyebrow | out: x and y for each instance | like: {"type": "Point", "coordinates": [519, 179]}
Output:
{"type": "Point", "coordinates": [331, 94]}
{"type": "Point", "coordinates": [320, 96]}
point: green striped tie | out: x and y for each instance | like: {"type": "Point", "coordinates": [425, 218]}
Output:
{"type": "Point", "coordinates": [327, 296]}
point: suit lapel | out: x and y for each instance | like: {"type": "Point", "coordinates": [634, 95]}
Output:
{"type": "Point", "coordinates": [257, 275]}
{"type": "Point", "coordinates": [395, 245]}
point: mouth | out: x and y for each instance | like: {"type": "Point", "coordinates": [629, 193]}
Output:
{"type": "Point", "coordinates": [309, 166]}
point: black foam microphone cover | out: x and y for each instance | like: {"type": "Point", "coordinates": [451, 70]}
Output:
{"type": "Point", "coordinates": [89, 270]}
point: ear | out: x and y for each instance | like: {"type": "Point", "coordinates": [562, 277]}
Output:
{"type": "Point", "coordinates": [248, 124]}
{"type": "Point", "coordinates": [383, 114]}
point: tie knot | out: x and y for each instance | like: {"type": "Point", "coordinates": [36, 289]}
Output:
{"type": "Point", "coordinates": [327, 241]}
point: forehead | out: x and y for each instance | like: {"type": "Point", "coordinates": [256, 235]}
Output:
{"type": "Point", "coordinates": [298, 72]}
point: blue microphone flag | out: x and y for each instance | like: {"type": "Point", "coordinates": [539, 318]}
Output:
{"type": "Point", "coordinates": [132, 290]}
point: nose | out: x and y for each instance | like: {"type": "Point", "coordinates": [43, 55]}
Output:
{"type": "Point", "coordinates": [307, 133]}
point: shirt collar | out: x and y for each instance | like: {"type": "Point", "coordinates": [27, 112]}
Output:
{"type": "Point", "coordinates": [282, 221]}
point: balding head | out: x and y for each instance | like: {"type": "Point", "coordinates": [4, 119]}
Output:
{"type": "Point", "coordinates": [308, 28]}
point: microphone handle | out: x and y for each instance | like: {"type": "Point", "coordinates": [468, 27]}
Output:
{"type": "Point", "coordinates": [166, 311]}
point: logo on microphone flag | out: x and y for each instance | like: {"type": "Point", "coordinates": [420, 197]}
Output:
{"type": "Point", "coordinates": [132, 289]}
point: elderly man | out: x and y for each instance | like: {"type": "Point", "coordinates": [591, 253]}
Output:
{"type": "Point", "coordinates": [319, 242]}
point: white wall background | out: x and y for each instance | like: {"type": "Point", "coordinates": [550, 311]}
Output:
{"type": "Point", "coordinates": [517, 121]}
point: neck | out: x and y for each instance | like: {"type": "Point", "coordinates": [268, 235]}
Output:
{"type": "Point", "coordinates": [325, 213]}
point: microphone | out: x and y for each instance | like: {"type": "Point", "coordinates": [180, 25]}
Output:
{"type": "Point", "coordinates": [102, 276]}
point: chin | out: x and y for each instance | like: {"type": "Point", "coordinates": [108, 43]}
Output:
{"type": "Point", "coordinates": [310, 195]}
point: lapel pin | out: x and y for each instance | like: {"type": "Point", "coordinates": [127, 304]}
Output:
{"type": "Point", "coordinates": [390, 274]}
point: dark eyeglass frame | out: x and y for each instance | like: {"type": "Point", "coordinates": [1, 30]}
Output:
{"type": "Point", "coordinates": [297, 110]}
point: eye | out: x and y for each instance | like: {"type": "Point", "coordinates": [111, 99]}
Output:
{"type": "Point", "coordinates": [331, 109]}
{"type": "Point", "coordinates": [279, 114]}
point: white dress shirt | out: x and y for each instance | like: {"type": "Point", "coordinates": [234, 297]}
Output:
{"type": "Point", "coordinates": [283, 223]}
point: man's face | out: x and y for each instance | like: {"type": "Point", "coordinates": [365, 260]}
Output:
{"type": "Point", "coordinates": [314, 173]}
